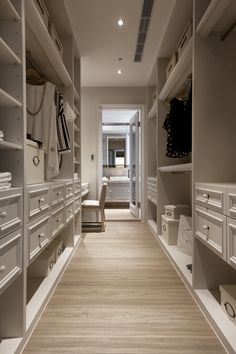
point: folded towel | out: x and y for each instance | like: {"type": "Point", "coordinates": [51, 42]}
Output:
{"type": "Point", "coordinates": [5, 174]}
{"type": "Point", "coordinates": [5, 186]}
{"type": "Point", "coordinates": [6, 179]}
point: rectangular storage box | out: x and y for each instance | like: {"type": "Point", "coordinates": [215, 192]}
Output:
{"type": "Point", "coordinates": [56, 40]}
{"type": "Point", "coordinates": [171, 65]}
{"type": "Point", "coordinates": [43, 265]}
{"type": "Point", "coordinates": [43, 11]}
{"type": "Point", "coordinates": [185, 38]}
{"type": "Point", "coordinates": [228, 301]}
{"type": "Point", "coordinates": [34, 163]}
{"type": "Point", "coordinates": [170, 230]}
{"type": "Point", "coordinates": [174, 211]}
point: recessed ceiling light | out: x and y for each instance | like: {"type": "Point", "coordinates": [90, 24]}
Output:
{"type": "Point", "coordinates": [120, 22]}
{"type": "Point", "coordinates": [119, 71]}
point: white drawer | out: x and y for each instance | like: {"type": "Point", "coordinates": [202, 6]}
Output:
{"type": "Point", "coordinates": [77, 187]}
{"type": "Point", "coordinates": [69, 190]}
{"type": "Point", "coordinates": [210, 228]}
{"type": "Point", "coordinates": [69, 211]}
{"type": "Point", "coordinates": [57, 220]}
{"type": "Point", "coordinates": [211, 196]}
{"type": "Point", "coordinates": [231, 242]}
{"type": "Point", "coordinates": [10, 258]}
{"type": "Point", "coordinates": [57, 194]}
{"type": "Point", "coordinates": [11, 213]}
{"type": "Point", "coordinates": [231, 202]}
{"type": "Point", "coordinates": [38, 236]}
{"type": "Point", "coordinates": [38, 199]}
{"type": "Point", "coordinates": [77, 204]}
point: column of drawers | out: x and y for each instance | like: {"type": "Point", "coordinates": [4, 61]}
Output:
{"type": "Point", "coordinates": [215, 219]}
{"type": "Point", "coordinates": [11, 220]}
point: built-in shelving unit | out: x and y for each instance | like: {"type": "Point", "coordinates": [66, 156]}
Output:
{"type": "Point", "coordinates": [185, 167]}
{"type": "Point", "coordinates": [6, 145]}
{"type": "Point", "coordinates": [8, 11]}
{"type": "Point", "coordinates": [7, 56]}
{"type": "Point", "coordinates": [7, 100]}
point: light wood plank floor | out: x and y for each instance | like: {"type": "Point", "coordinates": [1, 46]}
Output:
{"type": "Point", "coordinates": [119, 214]}
{"type": "Point", "coordinates": [121, 295]}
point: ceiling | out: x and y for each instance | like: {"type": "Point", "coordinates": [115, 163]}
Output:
{"type": "Point", "coordinates": [101, 42]}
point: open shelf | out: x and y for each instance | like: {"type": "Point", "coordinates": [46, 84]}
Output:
{"type": "Point", "coordinates": [8, 11]}
{"type": "Point", "coordinates": [179, 75]}
{"type": "Point", "coordinates": [38, 301]}
{"type": "Point", "coordinates": [178, 258]}
{"type": "Point", "coordinates": [212, 307]}
{"type": "Point", "coordinates": [7, 56]}
{"type": "Point", "coordinates": [185, 167]}
{"type": "Point", "coordinates": [37, 26]}
{"type": "Point", "coordinates": [7, 100]}
{"type": "Point", "coordinates": [153, 111]}
{"type": "Point", "coordinates": [6, 145]}
{"type": "Point", "coordinates": [153, 226]}
{"type": "Point", "coordinates": [212, 15]}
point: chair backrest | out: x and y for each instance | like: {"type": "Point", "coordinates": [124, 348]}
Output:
{"type": "Point", "coordinates": [103, 196]}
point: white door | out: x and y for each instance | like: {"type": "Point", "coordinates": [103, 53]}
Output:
{"type": "Point", "coordinates": [134, 164]}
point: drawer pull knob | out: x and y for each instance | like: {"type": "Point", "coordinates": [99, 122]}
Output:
{"type": "Point", "coordinates": [41, 200]}
{"type": "Point", "coordinates": [51, 264]}
{"type": "Point", "coordinates": [206, 196]}
{"type": "Point", "coordinates": [3, 214]}
{"type": "Point", "coordinates": [69, 189]}
{"type": "Point", "coordinates": [2, 268]}
{"type": "Point", "coordinates": [40, 236]}
{"type": "Point", "coordinates": [59, 194]}
{"type": "Point", "coordinates": [206, 227]}
{"type": "Point", "coordinates": [59, 220]}
{"type": "Point", "coordinates": [164, 227]}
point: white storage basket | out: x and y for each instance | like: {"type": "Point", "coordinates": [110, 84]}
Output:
{"type": "Point", "coordinates": [170, 230]}
{"type": "Point", "coordinates": [174, 211]}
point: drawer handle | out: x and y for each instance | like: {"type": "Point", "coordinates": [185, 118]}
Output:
{"type": "Point", "coordinates": [41, 200]}
{"type": "Point", "coordinates": [3, 214]}
{"type": "Point", "coordinates": [59, 194]}
{"type": "Point", "coordinates": [206, 227]}
{"type": "Point", "coordinates": [70, 211]}
{"type": "Point", "coordinates": [164, 227]}
{"type": "Point", "coordinates": [59, 252]}
{"type": "Point", "coordinates": [69, 190]}
{"type": "Point", "coordinates": [59, 220]}
{"type": "Point", "coordinates": [2, 268]}
{"type": "Point", "coordinates": [229, 309]}
{"type": "Point", "coordinates": [206, 196]}
{"type": "Point", "coordinates": [40, 236]}
{"type": "Point", "coordinates": [51, 264]}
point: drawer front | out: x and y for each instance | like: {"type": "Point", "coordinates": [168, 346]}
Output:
{"type": "Point", "coordinates": [77, 187]}
{"type": "Point", "coordinates": [38, 236]}
{"type": "Point", "coordinates": [231, 242]}
{"type": "Point", "coordinates": [57, 221]}
{"type": "Point", "coordinates": [69, 211]}
{"type": "Point", "coordinates": [210, 228]}
{"type": "Point", "coordinates": [77, 204]}
{"type": "Point", "coordinates": [231, 202]}
{"type": "Point", "coordinates": [11, 210]}
{"type": "Point", "coordinates": [38, 201]}
{"type": "Point", "coordinates": [57, 194]}
{"type": "Point", "coordinates": [212, 197]}
{"type": "Point", "coordinates": [10, 258]}
{"type": "Point", "coordinates": [69, 190]}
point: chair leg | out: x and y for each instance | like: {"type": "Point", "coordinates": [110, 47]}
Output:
{"type": "Point", "coordinates": [103, 219]}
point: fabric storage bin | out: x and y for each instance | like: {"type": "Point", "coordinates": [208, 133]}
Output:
{"type": "Point", "coordinates": [56, 40]}
{"type": "Point", "coordinates": [174, 211]}
{"type": "Point", "coordinates": [170, 230]}
{"type": "Point", "coordinates": [228, 301]}
{"type": "Point", "coordinates": [43, 265]}
{"type": "Point", "coordinates": [171, 65]}
{"type": "Point", "coordinates": [185, 38]}
{"type": "Point", "coordinates": [43, 11]}
{"type": "Point", "coordinates": [34, 163]}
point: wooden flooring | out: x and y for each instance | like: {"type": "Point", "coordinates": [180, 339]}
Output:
{"type": "Point", "coordinates": [119, 214]}
{"type": "Point", "coordinates": [121, 295]}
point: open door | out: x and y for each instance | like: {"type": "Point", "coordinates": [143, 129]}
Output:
{"type": "Point", "coordinates": [134, 164]}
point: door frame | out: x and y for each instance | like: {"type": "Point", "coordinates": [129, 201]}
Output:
{"type": "Point", "coordinates": [142, 109]}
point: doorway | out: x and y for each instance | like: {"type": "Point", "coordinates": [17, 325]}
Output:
{"type": "Point", "coordinates": [120, 162]}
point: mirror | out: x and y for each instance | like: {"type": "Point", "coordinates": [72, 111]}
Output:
{"type": "Point", "coordinates": [116, 151]}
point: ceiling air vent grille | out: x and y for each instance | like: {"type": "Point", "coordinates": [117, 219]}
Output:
{"type": "Point", "coordinates": [143, 29]}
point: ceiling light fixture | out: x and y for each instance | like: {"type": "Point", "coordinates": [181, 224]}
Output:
{"type": "Point", "coordinates": [120, 22]}
{"type": "Point", "coordinates": [119, 71]}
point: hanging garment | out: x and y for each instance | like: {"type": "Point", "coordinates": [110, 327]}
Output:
{"type": "Point", "coordinates": [62, 128]}
{"type": "Point", "coordinates": [178, 124]}
{"type": "Point", "coordinates": [41, 123]}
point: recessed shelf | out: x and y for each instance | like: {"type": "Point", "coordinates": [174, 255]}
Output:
{"type": "Point", "coordinates": [77, 129]}
{"type": "Point", "coordinates": [212, 15]}
{"type": "Point", "coordinates": [7, 100]}
{"type": "Point", "coordinates": [8, 11]}
{"type": "Point", "coordinates": [7, 56]}
{"type": "Point", "coordinates": [153, 111]}
{"type": "Point", "coordinates": [153, 225]}
{"type": "Point", "coordinates": [179, 259]}
{"type": "Point", "coordinates": [185, 167]}
{"type": "Point", "coordinates": [6, 145]}
{"type": "Point", "coordinates": [37, 26]}
{"type": "Point", "coordinates": [179, 75]}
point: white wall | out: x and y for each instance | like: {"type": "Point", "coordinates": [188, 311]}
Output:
{"type": "Point", "coordinates": [92, 98]}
